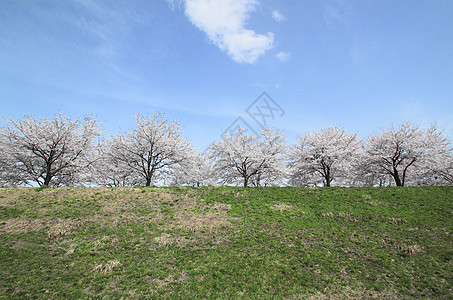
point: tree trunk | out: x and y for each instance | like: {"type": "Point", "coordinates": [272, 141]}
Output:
{"type": "Point", "coordinates": [327, 178]}
{"type": "Point", "coordinates": [47, 179]}
{"type": "Point", "coordinates": [245, 181]}
{"type": "Point", "coordinates": [396, 176]}
{"type": "Point", "coordinates": [48, 175]}
{"type": "Point", "coordinates": [148, 181]}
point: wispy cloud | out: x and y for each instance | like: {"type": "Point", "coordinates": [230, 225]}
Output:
{"type": "Point", "coordinates": [175, 3]}
{"type": "Point", "coordinates": [337, 13]}
{"type": "Point", "coordinates": [101, 26]}
{"type": "Point", "coordinates": [277, 16]}
{"type": "Point", "coordinates": [283, 56]}
{"type": "Point", "coordinates": [224, 23]}
{"type": "Point", "coordinates": [224, 108]}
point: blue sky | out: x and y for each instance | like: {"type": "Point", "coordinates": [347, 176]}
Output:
{"type": "Point", "coordinates": [362, 65]}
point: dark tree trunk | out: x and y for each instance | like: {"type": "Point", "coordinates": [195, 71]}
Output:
{"type": "Point", "coordinates": [149, 174]}
{"type": "Point", "coordinates": [396, 176]}
{"type": "Point", "coordinates": [47, 179]}
{"type": "Point", "coordinates": [327, 178]}
{"type": "Point", "coordinates": [246, 181]}
{"type": "Point", "coordinates": [48, 175]}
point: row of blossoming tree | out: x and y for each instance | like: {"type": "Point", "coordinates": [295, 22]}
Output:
{"type": "Point", "coordinates": [63, 152]}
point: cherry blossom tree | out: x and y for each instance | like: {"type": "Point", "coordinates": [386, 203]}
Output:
{"type": "Point", "coordinates": [108, 170]}
{"type": "Point", "coordinates": [444, 169]}
{"type": "Point", "coordinates": [195, 171]}
{"type": "Point", "coordinates": [439, 157]}
{"type": "Point", "coordinates": [9, 176]}
{"type": "Point", "coordinates": [273, 153]}
{"type": "Point", "coordinates": [49, 152]}
{"type": "Point", "coordinates": [323, 156]}
{"type": "Point", "coordinates": [406, 149]}
{"type": "Point", "coordinates": [151, 149]}
{"type": "Point", "coordinates": [364, 173]}
{"type": "Point", "coordinates": [242, 157]}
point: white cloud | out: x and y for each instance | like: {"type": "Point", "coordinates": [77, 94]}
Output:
{"type": "Point", "coordinates": [224, 23]}
{"type": "Point", "coordinates": [277, 16]}
{"type": "Point", "coordinates": [283, 56]}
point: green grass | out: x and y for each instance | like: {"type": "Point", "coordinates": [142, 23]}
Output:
{"type": "Point", "coordinates": [293, 243]}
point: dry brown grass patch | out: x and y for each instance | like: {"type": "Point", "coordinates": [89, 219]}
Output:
{"type": "Point", "coordinates": [106, 267]}
{"type": "Point", "coordinates": [7, 197]}
{"type": "Point", "coordinates": [396, 221]}
{"type": "Point", "coordinates": [119, 207]}
{"type": "Point", "coordinates": [54, 228]}
{"type": "Point", "coordinates": [347, 216]}
{"type": "Point", "coordinates": [21, 225]}
{"type": "Point", "coordinates": [327, 214]}
{"type": "Point", "coordinates": [281, 207]}
{"type": "Point", "coordinates": [168, 239]}
{"type": "Point", "coordinates": [195, 216]}
{"type": "Point", "coordinates": [409, 248]}
{"type": "Point", "coordinates": [201, 222]}
{"type": "Point", "coordinates": [61, 227]}
{"type": "Point", "coordinates": [169, 279]}
{"type": "Point", "coordinates": [14, 197]}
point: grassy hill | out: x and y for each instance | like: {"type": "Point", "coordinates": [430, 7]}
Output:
{"type": "Point", "coordinates": [294, 243]}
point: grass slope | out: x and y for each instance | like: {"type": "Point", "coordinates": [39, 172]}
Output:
{"type": "Point", "coordinates": [292, 243]}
